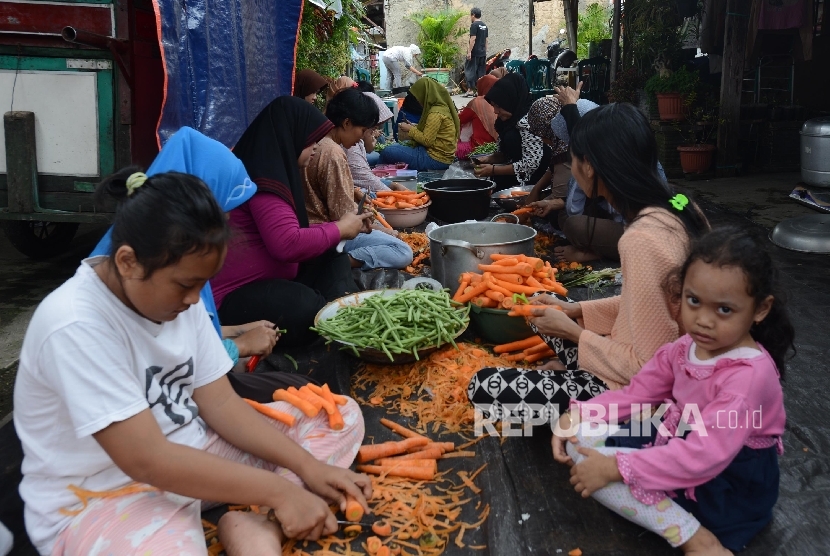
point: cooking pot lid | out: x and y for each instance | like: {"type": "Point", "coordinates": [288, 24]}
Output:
{"type": "Point", "coordinates": [818, 127]}
{"type": "Point", "coordinates": [810, 234]}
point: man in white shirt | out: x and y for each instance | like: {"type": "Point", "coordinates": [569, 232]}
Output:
{"type": "Point", "coordinates": [398, 56]}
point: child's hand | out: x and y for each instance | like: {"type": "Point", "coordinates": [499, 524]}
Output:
{"type": "Point", "coordinates": [304, 515]}
{"type": "Point", "coordinates": [259, 340]}
{"type": "Point", "coordinates": [593, 472]}
{"type": "Point", "coordinates": [563, 433]}
{"type": "Point", "coordinates": [332, 483]}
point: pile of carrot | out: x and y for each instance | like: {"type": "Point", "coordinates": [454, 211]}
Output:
{"type": "Point", "coordinates": [396, 200]}
{"type": "Point", "coordinates": [415, 457]}
{"type": "Point", "coordinates": [310, 399]}
{"type": "Point", "coordinates": [508, 276]}
{"type": "Point", "coordinates": [530, 350]}
{"type": "Point", "coordinates": [433, 390]}
{"type": "Point", "coordinates": [419, 243]}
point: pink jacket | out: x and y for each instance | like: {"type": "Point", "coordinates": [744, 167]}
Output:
{"type": "Point", "coordinates": [740, 403]}
{"type": "Point", "coordinates": [268, 243]}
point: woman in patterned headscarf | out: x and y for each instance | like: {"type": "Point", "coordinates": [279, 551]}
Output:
{"type": "Point", "coordinates": [521, 156]}
{"type": "Point", "coordinates": [539, 118]}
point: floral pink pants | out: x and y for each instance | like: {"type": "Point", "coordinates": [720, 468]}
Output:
{"type": "Point", "coordinates": [166, 524]}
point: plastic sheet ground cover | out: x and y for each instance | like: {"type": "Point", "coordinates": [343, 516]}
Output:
{"type": "Point", "coordinates": [225, 60]}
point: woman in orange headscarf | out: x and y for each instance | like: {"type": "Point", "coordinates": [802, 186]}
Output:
{"type": "Point", "coordinates": [478, 120]}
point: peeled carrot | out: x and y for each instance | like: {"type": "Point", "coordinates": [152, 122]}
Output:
{"type": "Point", "coordinates": [400, 429]}
{"type": "Point", "coordinates": [299, 403]}
{"type": "Point", "coordinates": [537, 356]}
{"type": "Point", "coordinates": [354, 510]}
{"type": "Point", "coordinates": [515, 288]}
{"type": "Point", "coordinates": [516, 356]}
{"type": "Point", "coordinates": [523, 210]}
{"type": "Point", "coordinates": [498, 297]}
{"type": "Point", "coordinates": [338, 399]}
{"type": "Point", "coordinates": [429, 453]}
{"type": "Point", "coordinates": [384, 551]}
{"type": "Point", "coordinates": [486, 302]}
{"type": "Point", "coordinates": [383, 222]}
{"type": "Point", "coordinates": [475, 279]}
{"type": "Point", "coordinates": [476, 291]}
{"type": "Point", "coordinates": [523, 269]}
{"type": "Point", "coordinates": [512, 278]}
{"type": "Point", "coordinates": [538, 348]}
{"type": "Point", "coordinates": [415, 473]}
{"type": "Point", "coordinates": [519, 193]}
{"type": "Point", "coordinates": [274, 414]}
{"type": "Point", "coordinates": [382, 528]}
{"type": "Point", "coordinates": [496, 288]}
{"type": "Point", "coordinates": [443, 446]}
{"type": "Point", "coordinates": [460, 291]}
{"type": "Point", "coordinates": [519, 345]}
{"type": "Point", "coordinates": [373, 544]}
{"type": "Point", "coordinates": [534, 283]}
{"type": "Point", "coordinates": [310, 397]}
{"type": "Point", "coordinates": [507, 261]}
{"type": "Point", "coordinates": [508, 303]}
{"type": "Point", "coordinates": [371, 452]}
{"type": "Point", "coordinates": [426, 463]}
{"type": "Point", "coordinates": [404, 205]}
{"type": "Point", "coordinates": [335, 417]}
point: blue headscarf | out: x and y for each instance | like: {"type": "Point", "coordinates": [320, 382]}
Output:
{"type": "Point", "coordinates": [190, 152]}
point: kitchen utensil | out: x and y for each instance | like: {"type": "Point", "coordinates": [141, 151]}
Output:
{"type": "Point", "coordinates": [457, 200]}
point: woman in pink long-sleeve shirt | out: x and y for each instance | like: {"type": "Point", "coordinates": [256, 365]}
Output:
{"type": "Point", "coordinates": [603, 343]}
{"type": "Point", "coordinates": [713, 443]}
{"type": "Point", "coordinates": [279, 267]}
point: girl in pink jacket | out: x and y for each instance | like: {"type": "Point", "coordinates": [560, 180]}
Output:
{"type": "Point", "coordinates": [698, 461]}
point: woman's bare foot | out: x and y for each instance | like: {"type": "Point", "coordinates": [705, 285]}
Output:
{"type": "Point", "coordinates": [704, 543]}
{"type": "Point", "coordinates": [571, 254]}
{"type": "Point", "coordinates": [553, 365]}
{"type": "Point", "coordinates": [249, 534]}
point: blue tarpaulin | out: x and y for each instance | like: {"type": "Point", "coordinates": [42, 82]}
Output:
{"type": "Point", "coordinates": [225, 60]}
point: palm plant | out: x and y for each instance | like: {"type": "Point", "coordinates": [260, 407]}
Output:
{"type": "Point", "coordinates": [437, 37]}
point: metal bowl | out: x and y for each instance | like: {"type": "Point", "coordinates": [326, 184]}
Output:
{"type": "Point", "coordinates": [809, 234]}
{"type": "Point", "coordinates": [506, 200]}
{"type": "Point", "coordinates": [373, 355]}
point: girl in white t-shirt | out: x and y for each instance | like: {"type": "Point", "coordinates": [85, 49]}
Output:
{"type": "Point", "coordinates": [127, 420]}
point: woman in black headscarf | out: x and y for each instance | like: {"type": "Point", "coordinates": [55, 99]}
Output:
{"type": "Point", "coordinates": [278, 267]}
{"type": "Point", "coordinates": [521, 156]}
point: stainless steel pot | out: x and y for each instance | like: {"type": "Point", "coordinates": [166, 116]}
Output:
{"type": "Point", "coordinates": [458, 248]}
{"type": "Point", "coordinates": [815, 152]}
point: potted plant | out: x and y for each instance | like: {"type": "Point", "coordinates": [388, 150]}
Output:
{"type": "Point", "coordinates": [674, 91]}
{"type": "Point", "coordinates": [437, 38]}
{"type": "Point", "coordinates": [697, 153]}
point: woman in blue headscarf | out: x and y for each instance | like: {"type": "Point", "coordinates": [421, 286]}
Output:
{"type": "Point", "coordinates": [190, 152]}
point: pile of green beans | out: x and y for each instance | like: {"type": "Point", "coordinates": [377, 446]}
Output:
{"type": "Point", "coordinates": [405, 322]}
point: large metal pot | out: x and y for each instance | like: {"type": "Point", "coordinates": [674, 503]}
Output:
{"type": "Point", "coordinates": [458, 200]}
{"type": "Point", "coordinates": [458, 248]}
{"type": "Point", "coordinates": [815, 152]}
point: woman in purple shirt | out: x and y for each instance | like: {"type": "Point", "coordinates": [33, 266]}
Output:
{"type": "Point", "coordinates": [278, 266]}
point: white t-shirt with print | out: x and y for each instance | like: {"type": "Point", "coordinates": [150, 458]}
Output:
{"type": "Point", "coordinates": [89, 361]}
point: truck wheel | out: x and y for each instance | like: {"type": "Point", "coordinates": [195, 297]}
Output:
{"type": "Point", "coordinates": [40, 240]}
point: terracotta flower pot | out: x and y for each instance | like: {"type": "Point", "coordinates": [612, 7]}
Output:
{"type": "Point", "coordinates": [696, 159]}
{"type": "Point", "coordinates": [670, 106]}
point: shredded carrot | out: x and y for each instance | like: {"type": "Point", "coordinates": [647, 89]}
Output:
{"type": "Point", "coordinates": [86, 495]}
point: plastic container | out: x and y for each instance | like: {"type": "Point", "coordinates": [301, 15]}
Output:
{"type": "Point", "coordinates": [496, 327]}
{"type": "Point", "coordinates": [407, 173]}
{"type": "Point", "coordinates": [405, 218]}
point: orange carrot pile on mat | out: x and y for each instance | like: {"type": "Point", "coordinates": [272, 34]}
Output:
{"type": "Point", "coordinates": [509, 276]}
{"type": "Point", "coordinates": [531, 350]}
{"type": "Point", "coordinates": [397, 200]}
{"type": "Point", "coordinates": [433, 390]}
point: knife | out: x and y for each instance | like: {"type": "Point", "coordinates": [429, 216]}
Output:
{"type": "Point", "coordinates": [359, 211]}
